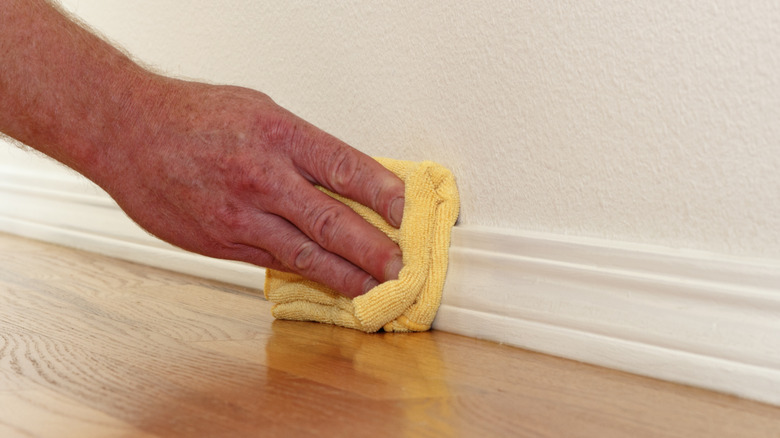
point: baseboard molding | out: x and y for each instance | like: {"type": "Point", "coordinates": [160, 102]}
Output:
{"type": "Point", "coordinates": [696, 318]}
{"type": "Point", "coordinates": [690, 317]}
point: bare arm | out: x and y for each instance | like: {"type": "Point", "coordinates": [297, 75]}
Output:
{"type": "Point", "coordinates": [222, 171]}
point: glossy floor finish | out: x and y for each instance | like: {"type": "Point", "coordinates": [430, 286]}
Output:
{"type": "Point", "coordinates": [92, 346]}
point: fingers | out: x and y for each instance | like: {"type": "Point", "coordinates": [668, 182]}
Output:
{"type": "Point", "coordinates": [338, 229]}
{"type": "Point", "coordinates": [295, 252]}
{"type": "Point", "coordinates": [331, 163]}
{"type": "Point", "coordinates": [313, 234]}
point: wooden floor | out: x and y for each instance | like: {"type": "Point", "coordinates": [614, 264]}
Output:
{"type": "Point", "coordinates": [92, 346]}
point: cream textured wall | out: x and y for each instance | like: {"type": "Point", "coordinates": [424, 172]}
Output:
{"type": "Point", "coordinates": [650, 122]}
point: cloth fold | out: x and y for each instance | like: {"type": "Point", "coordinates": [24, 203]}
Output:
{"type": "Point", "coordinates": [408, 304]}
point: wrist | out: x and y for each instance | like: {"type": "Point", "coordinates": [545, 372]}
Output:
{"type": "Point", "coordinates": [127, 121]}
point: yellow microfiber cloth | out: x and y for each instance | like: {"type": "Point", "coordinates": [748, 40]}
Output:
{"type": "Point", "coordinates": [408, 304]}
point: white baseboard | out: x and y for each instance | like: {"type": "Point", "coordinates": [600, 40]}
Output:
{"type": "Point", "coordinates": [690, 317]}
{"type": "Point", "coordinates": [696, 318]}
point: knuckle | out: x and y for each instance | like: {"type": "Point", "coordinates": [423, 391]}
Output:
{"type": "Point", "coordinates": [247, 176]}
{"type": "Point", "coordinates": [304, 256]}
{"type": "Point", "coordinates": [279, 130]}
{"type": "Point", "coordinates": [326, 223]}
{"type": "Point", "coordinates": [260, 187]}
{"type": "Point", "coordinates": [227, 218]}
{"type": "Point", "coordinates": [343, 169]}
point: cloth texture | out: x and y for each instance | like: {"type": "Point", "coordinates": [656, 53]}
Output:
{"type": "Point", "coordinates": [408, 304]}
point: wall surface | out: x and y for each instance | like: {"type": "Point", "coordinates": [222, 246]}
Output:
{"type": "Point", "coordinates": [655, 123]}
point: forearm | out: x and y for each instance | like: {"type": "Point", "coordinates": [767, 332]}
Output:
{"type": "Point", "coordinates": [63, 90]}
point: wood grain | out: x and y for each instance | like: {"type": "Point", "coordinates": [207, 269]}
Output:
{"type": "Point", "coordinates": [92, 346]}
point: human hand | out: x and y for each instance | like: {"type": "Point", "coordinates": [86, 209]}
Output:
{"type": "Point", "coordinates": [225, 172]}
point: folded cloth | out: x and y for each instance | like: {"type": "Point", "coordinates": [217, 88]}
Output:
{"type": "Point", "coordinates": [404, 305]}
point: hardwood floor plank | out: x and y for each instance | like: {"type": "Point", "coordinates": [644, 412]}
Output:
{"type": "Point", "coordinates": [91, 346]}
{"type": "Point", "coordinates": [43, 412]}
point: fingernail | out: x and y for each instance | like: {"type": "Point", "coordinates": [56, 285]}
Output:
{"type": "Point", "coordinates": [397, 212]}
{"type": "Point", "coordinates": [370, 284]}
{"type": "Point", "coordinates": [393, 268]}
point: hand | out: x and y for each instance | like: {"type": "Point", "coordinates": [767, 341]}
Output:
{"type": "Point", "coordinates": [225, 172]}
{"type": "Point", "coordinates": [222, 171]}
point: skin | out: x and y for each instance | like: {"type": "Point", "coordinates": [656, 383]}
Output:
{"type": "Point", "coordinates": [218, 170]}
